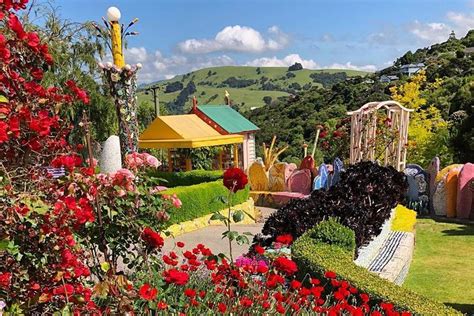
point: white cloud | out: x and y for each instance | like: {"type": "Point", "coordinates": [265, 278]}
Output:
{"type": "Point", "coordinates": [436, 32]}
{"type": "Point", "coordinates": [284, 62]}
{"type": "Point", "coordinates": [350, 66]}
{"type": "Point", "coordinates": [239, 39]}
{"type": "Point", "coordinates": [157, 66]}
{"type": "Point", "coordinates": [430, 32]}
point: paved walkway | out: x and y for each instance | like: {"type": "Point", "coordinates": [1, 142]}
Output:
{"type": "Point", "coordinates": [211, 237]}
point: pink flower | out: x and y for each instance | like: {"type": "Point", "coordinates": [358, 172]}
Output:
{"type": "Point", "coordinates": [151, 160]}
{"type": "Point", "coordinates": [176, 201]}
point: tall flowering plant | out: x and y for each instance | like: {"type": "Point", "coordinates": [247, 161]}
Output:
{"type": "Point", "coordinates": [234, 180]}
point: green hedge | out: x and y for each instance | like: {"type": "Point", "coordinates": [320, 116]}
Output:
{"type": "Point", "coordinates": [331, 232]}
{"type": "Point", "coordinates": [202, 199]}
{"type": "Point", "coordinates": [316, 258]}
{"type": "Point", "coordinates": [176, 179]}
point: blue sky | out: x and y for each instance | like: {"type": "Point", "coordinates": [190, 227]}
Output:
{"type": "Point", "coordinates": [177, 36]}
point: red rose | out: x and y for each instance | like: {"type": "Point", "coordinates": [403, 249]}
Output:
{"type": "Point", "coordinates": [152, 238]}
{"type": "Point", "coordinates": [147, 292]}
{"type": "Point", "coordinates": [330, 275]}
{"type": "Point", "coordinates": [161, 305]}
{"type": "Point", "coordinates": [285, 239]}
{"type": "Point", "coordinates": [5, 278]}
{"type": "Point", "coordinates": [175, 276]}
{"type": "Point", "coordinates": [190, 293]}
{"type": "Point", "coordinates": [285, 265]}
{"type": "Point", "coordinates": [235, 179]}
{"type": "Point", "coordinates": [259, 249]}
{"type": "Point", "coordinates": [222, 307]}
{"type": "Point", "coordinates": [180, 244]}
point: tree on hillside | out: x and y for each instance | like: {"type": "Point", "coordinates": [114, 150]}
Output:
{"type": "Point", "coordinates": [295, 67]}
{"type": "Point", "coordinates": [428, 134]}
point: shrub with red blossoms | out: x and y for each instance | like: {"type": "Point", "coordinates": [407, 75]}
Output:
{"type": "Point", "coordinates": [152, 239]}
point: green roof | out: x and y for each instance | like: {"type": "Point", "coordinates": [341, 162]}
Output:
{"type": "Point", "coordinates": [228, 118]}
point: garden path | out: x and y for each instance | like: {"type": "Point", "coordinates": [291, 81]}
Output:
{"type": "Point", "coordinates": [211, 236]}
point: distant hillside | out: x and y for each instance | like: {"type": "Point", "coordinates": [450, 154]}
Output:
{"type": "Point", "coordinates": [249, 87]}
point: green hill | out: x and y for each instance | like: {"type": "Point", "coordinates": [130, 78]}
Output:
{"type": "Point", "coordinates": [247, 85]}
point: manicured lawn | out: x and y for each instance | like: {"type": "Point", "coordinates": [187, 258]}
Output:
{"type": "Point", "coordinates": [443, 263]}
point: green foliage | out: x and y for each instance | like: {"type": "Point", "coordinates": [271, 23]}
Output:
{"type": "Point", "coordinates": [316, 258]}
{"type": "Point", "coordinates": [202, 199]}
{"type": "Point", "coordinates": [75, 48]}
{"type": "Point", "coordinates": [186, 178]}
{"type": "Point", "coordinates": [331, 232]}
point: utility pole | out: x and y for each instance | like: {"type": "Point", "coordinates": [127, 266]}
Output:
{"type": "Point", "coordinates": [156, 101]}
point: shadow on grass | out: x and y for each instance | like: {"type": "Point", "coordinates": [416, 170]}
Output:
{"type": "Point", "coordinates": [466, 229]}
{"type": "Point", "coordinates": [463, 308]}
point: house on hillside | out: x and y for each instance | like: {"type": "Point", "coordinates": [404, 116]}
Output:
{"type": "Point", "coordinates": [411, 69]}
{"type": "Point", "coordinates": [469, 50]}
{"type": "Point", "coordinates": [387, 79]}
{"type": "Point", "coordinates": [228, 121]}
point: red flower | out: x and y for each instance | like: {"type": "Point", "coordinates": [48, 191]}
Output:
{"type": "Point", "coordinates": [180, 244]}
{"type": "Point", "coordinates": [330, 275]}
{"type": "Point", "coordinates": [5, 278]}
{"type": "Point", "coordinates": [3, 132]}
{"type": "Point", "coordinates": [295, 284]}
{"type": "Point", "coordinates": [222, 307]}
{"type": "Point", "coordinates": [15, 24]}
{"type": "Point", "coordinates": [175, 276]}
{"type": "Point", "coordinates": [245, 301]}
{"type": "Point", "coordinates": [280, 309]}
{"type": "Point", "coordinates": [259, 249]}
{"type": "Point", "coordinates": [147, 292]}
{"type": "Point", "coordinates": [364, 297]}
{"type": "Point", "coordinates": [161, 305]}
{"type": "Point", "coordinates": [285, 265]}
{"type": "Point", "coordinates": [190, 293]}
{"type": "Point", "coordinates": [285, 239]}
{"type": "Point", "coordinates": [235, 179]}
{"type": "Point", "coordinates": [152, 238]}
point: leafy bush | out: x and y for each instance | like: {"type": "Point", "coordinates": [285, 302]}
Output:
{"type": "Point", "coordinates": [331, 232]}
{"type": "Point", "coordinates": [362, 200]}
{"type": "Point", "coordinates": [201, 199]}
{"type": "Point", "coordinates": [315, 258]}
{"type": "Point", "coordinates": [174, 86]}
{"type": "Point", "coordinates": [295, 67]}
{"type": "Point", "coordinates": [233, 82]}
{"type": "Point", "coordinates": [176, 179]}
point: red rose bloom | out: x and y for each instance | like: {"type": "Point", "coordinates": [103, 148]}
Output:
{"type": "Point", "coordinates": [285, 239]}
{"type": "Point", "coordinates": [5, 278]}
{"type": "Point", "coordinates": [147, 292]}
{"type": "Point", "coordinates": [235, 179]}
{"type": "Point", "coordinates": [222, 307]}
{"type": "Point", "coordinates": [175, 276]}
{"type": "Point", "coordinates": [330, 275]}
{"type": "Point", "coordinates": [190, 293]}
{"type": "Point", "coordinates": [285, 265]}
{"type": "Point", "coordinates": [259, 249]}
{"type": "Point", "coordinates": [152, 238]}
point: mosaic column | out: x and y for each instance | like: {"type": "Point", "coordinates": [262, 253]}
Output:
{"type": "Point", "coordinates": [123, 86]}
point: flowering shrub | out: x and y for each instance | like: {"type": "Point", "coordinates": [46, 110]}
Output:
{"type": "Point", "coordinates": [198, 282]}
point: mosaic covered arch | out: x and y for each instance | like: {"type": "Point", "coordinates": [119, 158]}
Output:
{"type": "Point", "coordinates": [364, 133]}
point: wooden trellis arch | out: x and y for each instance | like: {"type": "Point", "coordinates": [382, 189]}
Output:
{"type": "Point", "coordinates": [364, 133]}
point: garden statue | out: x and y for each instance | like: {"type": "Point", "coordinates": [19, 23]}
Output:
{"type": "Point", "coordinates": [452, 192]}
{"type": "Point", "coordinates": [321, 180]}
{"type": "Point", "coordinates": [289, 169]}
{"type": "Point", "coordinates": [110, 159]}
{"type": "Point", "coordinates": [122, 81]}
{"type": "Point", "coordinates": [439, 196]}
{"type": "Point", "coordinates": [432, 171]}
{"type": "Point", "coordinates": [465, 197]}
{"type": "Point", "coordinates": [258, 176]}
{"type": "Point", "coordinates": [417, 187]}
{"type": "Point", "coordinates": [276, 177]}
{"type": "Point", "coordinates": [300, 181]}
{"type": "Point", "coordinates": [338, 167]}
